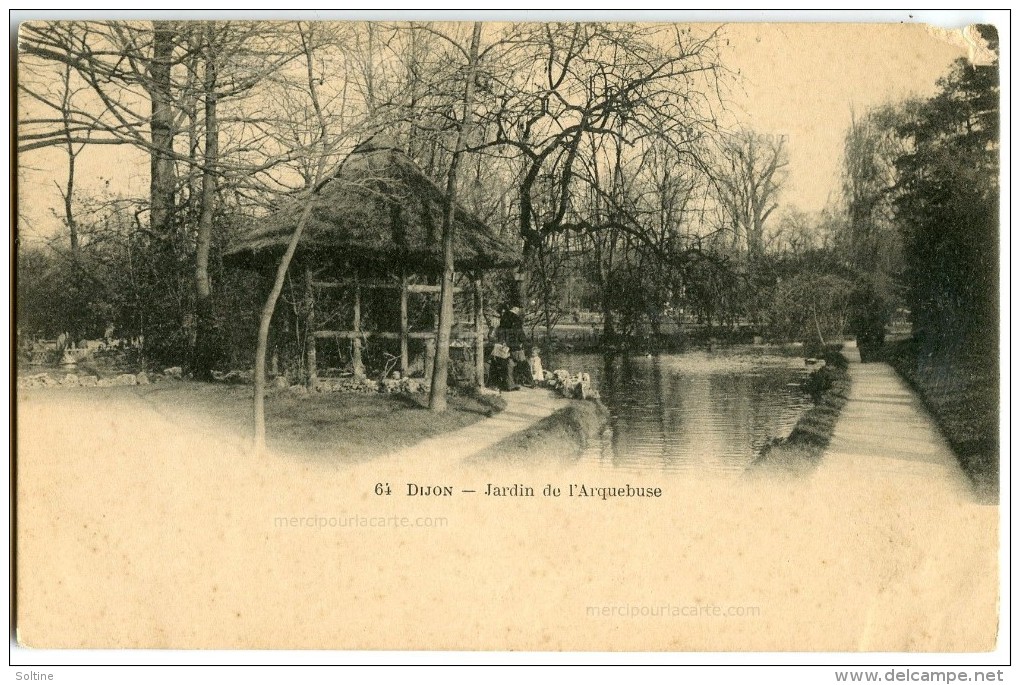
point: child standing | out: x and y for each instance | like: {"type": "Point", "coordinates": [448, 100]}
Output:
{"type": "Point", "coordinates": [537, 376]}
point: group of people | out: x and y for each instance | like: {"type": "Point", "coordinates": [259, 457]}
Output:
{"type": "Point", "coordinates": [509, 367]}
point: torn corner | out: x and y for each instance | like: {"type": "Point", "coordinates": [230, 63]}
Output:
{"type": "Point", "coordinates": [980, 41]}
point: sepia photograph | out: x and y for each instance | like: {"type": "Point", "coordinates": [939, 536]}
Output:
{"type": "Point", "coordinates": [507, 336]}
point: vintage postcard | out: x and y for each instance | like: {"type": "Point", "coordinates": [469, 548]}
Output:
{"type": "Point", "coordinates": [577, 336]}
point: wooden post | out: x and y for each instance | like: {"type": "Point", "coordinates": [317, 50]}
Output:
{"type": "Point", "coordinates": [359, 365]}
{"type": "Point", "coordinates": [311, 372]}
{"type": "Point", "coordinates": [430, 357]}
{"type": "Point", "coordinates": [404, 362]}
{"type": "Point", "coordinates": [430, 343]}
{"type": "Point", "coordinates": [479, 335]}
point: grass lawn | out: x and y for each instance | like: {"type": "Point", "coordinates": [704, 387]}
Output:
{"type": "Point", "coordinates": [345, 427]}
{"type": "Point", "coordinates": [961, 390]}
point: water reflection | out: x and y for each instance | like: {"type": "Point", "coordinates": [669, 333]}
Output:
{"type": "Point", "coordinates": [697, 412]}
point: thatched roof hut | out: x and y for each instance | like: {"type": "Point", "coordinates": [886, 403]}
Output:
{"type": "Point", "coordinates": [375, 225]}
{"type": "Point", "coordinates": [378, 213]}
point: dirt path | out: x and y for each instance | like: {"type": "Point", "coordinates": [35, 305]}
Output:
{"type": "Point", "coordinates": [896, 479]}
{"type": "Point", "coordinates": [886, 439]}
{"type": "Point", "coordinates": [524, 408]}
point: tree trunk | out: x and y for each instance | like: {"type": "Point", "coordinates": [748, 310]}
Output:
{"type": "Point", "coordinates": [440, 371]}
{"type": "Point", "coordinates": [818, 328]}
{"type": "Point", "coordinates": [608, 327]}
{"type": "Point", "coordinates": [162, 174]}
{"type": "Point", "coordinates": [547, 292]}
{"type": "Point", "coordinates": [202, 359]}
{"type": "Point", "coordinates": [259, 399]}
{"type": "Point", "coordinates": [68, 194]}
{"type": "Point", "coordinates": [259, 407]}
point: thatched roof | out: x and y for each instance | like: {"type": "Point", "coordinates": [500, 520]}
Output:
{"type": "Point", "coordinates": [378, 212]}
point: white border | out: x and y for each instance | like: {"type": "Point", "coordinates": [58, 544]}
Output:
{"type": "Point", "coordinates": [725, 665]}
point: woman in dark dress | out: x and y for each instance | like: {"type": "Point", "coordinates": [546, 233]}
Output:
{"type": "Point", "coordinates": [511, 331]}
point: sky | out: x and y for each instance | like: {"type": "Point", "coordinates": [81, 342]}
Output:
{"type": "Point", "coordinates": [798, 81]}
{"type": "Point", "coordinates": [803, 81]}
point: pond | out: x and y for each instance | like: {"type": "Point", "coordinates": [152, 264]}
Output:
{"type": "Point", "coordinates": [703, 413]}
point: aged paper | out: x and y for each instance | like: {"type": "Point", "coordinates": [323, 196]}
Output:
{"type": "Point", "coordinates": [144, 520]}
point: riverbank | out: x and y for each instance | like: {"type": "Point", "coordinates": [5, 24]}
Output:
{"type": "Point", "coordinates": [561, 436]}
{"type": "Point", "coordinates": [961, 392]}
{"type": "Point", "coordinates": [799, 453]}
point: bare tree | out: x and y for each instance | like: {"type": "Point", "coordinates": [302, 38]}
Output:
{"type": "Point", "coordinates": [167, 68]}
{"type": "Point", "coordinates": [797, 233]}
{"type": "Point", "coordinates": [162, 126]}
{"type": "Point", "coordinates": [202, 357]}
{"type": "Point", "coordinates": [871, 240]}
{"type": "Point", "coordinates": [572, 83]}
{"type": "Point", "coordinates": [748, 178]}
{"type": "Point", "coordinates": [67, 93]}
{"type": "Point", "coordinates": [440, 372]}
{"type": "Point", "coordinates": [323, 144]}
